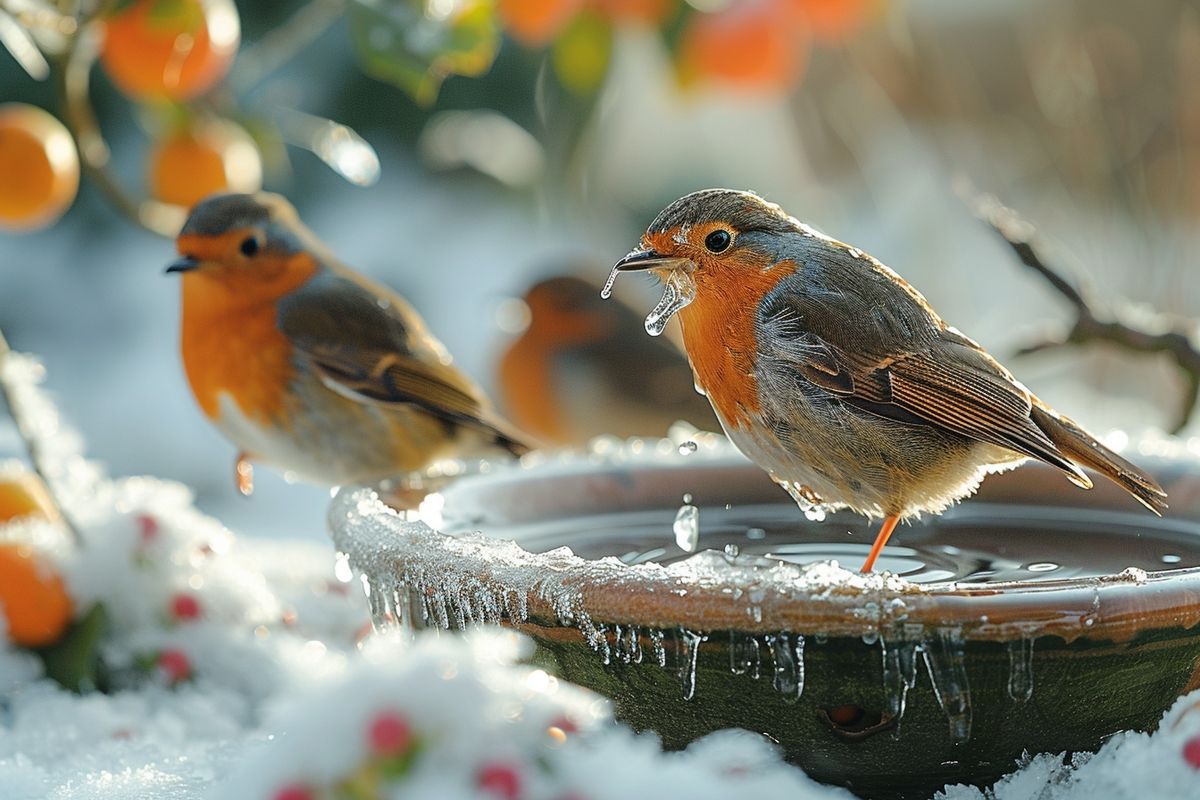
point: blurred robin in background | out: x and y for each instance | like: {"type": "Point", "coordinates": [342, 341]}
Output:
{"type": "Point", "coordinates": [307, 366]}
{"type": "Point", "coordinates": [580, 370]}
{"type": "Point", "coordinates": [835, 376]}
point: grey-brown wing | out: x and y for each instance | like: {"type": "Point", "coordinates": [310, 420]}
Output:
{"type": "Point", "coordinates": [365, 342]}
{"type": "Point", "coordinates": [888, 354]}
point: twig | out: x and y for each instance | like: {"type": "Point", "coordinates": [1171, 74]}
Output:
{"type": "Point", "coordinates": [1158, 333]}
{"type": "Point", "coordinates": [30, 442]}
{"type": "Point", "coordinates": [73, 77]}
{"type": "Point", "coordinates": [284, 42]}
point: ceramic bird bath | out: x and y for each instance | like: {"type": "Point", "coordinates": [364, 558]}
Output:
{"type": "Point", "coordinates": [1034, 617]}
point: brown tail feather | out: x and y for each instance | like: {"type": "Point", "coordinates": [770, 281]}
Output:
{"type": "Point", "coordinates": [1081, 447]}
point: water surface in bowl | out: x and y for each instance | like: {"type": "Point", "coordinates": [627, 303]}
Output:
{"type": "Point", "coordinates": [976, 543]}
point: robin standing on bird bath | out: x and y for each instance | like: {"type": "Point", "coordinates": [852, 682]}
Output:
{"type": "Point", "coordinates": [835, 376]}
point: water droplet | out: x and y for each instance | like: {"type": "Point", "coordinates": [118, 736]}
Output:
{"type": "Point", "coordinates": [606, 292]}
{"type": "Point", "coordinates": [812, 506]}
{"type": "Point", "coordinates": [341, 568]}
{"type": "Point", "coordinates": [688, 447]}
{"type": "Point", "coordinates": [1171, 558]}
{"type": "Point", "coordinates": [731, 550]}
{"type": "Point", "coordinates": [687, 528]}
{"type": "Point", "coordinates": [756, 533]}
{"type": "Point", "coordinates": [1042, 566]}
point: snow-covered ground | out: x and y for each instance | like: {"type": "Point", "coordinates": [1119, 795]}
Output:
{"type": "Point", "coordinates": [243, 668]}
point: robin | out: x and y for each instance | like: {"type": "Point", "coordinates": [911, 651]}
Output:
{"type": "Point", "coordinates": [310, 367]}
{"type": "Point", "coordinates": [834, 375]}
{"type": "Point", "coordinates": [567, 377]}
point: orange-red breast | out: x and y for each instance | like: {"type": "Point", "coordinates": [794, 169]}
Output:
{"type": "Point", "coordinates": [305, 365]}
{"type": "Point", "coordinates": [834, 375]}
{"type": "Point", "coordinates": [581, 369]}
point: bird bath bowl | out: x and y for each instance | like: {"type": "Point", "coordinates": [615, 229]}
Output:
{"type": "Point", "coordinates": [1032, 618]}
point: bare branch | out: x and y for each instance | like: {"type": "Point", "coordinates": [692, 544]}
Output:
{"type": "Point", "coordinates": [1155, 333]}
{"type": "Point", "coordinates": [72, 83]}
{"type": "Point", "coordinates": [284, 42]}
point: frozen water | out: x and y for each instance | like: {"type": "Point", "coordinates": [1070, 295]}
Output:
{"type": "Point", "coordinates": [678, 292]}
{"type": "Point", "coordinates": [687, 528]}
{"type": "Point", "coordinates": [691, 652]}
{"type": "Point", "coordinates": [943, 654]}
{"type": "Point", "coordinates": [1020, 669]}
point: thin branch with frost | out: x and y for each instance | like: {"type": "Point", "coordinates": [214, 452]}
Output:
{"type": "Point", "coordinates": [1145, 332]}
{"type": "Point", "coordinates": [8, 401]}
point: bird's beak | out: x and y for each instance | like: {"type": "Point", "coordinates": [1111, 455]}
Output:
{"type": "Point", "coordinates": [640, 260]}
{"type": "Point", "coordinates": [183, 264]}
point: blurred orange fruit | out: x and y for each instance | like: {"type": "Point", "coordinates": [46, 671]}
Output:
{"type": "Point", "coordinates": [645, 12]}
{"type": "Point", "coordinates": [535, 22]}
{"type": "Point", "coordinates": [751, 44]}
{"type": "Point", "coordinates": [32, 597]}
{"type": "Point", "coordinates": [170, 49]}
{"type": "Point", "coordinates": [39, 165]}
{"type": "Point", "coordinates": [22, 494]}
{"type": "Point", "coordinates": [209, 157]}
{"type": "Point", "coordinates": [833, 20]}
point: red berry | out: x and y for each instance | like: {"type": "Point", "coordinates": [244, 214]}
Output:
{"type": "Point", "coordinates": [389, 735]}
{"type": "Point", "coordinates": [184, 606]}
{"type": "Point", "coordinates": [501, 780]}
{"type": "Point", "coordinates": [294, 792]}
{"type": "Point", "coordinates": [1191, 751]}
{"type": "Point", "coordinates": [147, 528]}
{"type": "Point", "coordinates": [175, 665]}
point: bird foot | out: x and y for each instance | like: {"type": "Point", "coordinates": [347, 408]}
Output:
{"type": "Point", "coordinates": [243, 475]}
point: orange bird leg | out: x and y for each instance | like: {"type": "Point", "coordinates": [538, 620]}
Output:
{"type": "Point", "coordinates": [885, 533]}
{"type": "Point", "coordinates": [243, 475]}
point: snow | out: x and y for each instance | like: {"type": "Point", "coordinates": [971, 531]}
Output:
{"type": "Point", "coordinates": [288, 684]}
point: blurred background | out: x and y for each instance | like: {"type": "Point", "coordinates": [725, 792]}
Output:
{"type": "Point", "coordinates": [463, 151]}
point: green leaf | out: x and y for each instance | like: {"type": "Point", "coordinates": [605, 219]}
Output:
{"type": "Point", "coordinates": [74, 660]}
{"type": "Point", "coordinates": [404, 42]}
{"type": "Point", "coordinates": [581, 53]}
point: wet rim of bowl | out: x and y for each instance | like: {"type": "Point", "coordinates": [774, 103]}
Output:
{"type": "Point", "coordinates": [707, 593]}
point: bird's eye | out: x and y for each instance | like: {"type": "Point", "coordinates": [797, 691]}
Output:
{"type": "Point", "coordinates": [717, 241]}
{"type": "Point", "coordinates": [249, 246]}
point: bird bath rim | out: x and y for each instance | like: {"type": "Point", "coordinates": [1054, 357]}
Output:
{"type": "Point", "coordinates": [712, 592]}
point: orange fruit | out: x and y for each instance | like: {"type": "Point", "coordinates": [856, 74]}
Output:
{"type": "Point", "coordinates": [209, 157]}
{"type": "Point", "coordinates": [170, 49]}
{"type": "Point", "coordinates": [645, 12]}
{"type": "Point", "coordinates": [32, 597]}
{"type": "Point", "coordinates": [39, 167]}
{"type": "Point", "coordinates": [751, 44]}
{"type": "Point", "coordinates": [535, 22]}
{"type": "Point", "coordinates": [22, 494]}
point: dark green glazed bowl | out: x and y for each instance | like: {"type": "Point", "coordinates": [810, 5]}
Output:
{"type": "Point", "coordinates": [890, 687]}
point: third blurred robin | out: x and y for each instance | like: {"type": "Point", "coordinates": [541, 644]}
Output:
{"type": "Point", "coordinates": [580, 369]}
{"type": "Point", "coordinates": [833, 374]}
{"type": "Point", "coordinates": [310, 367]}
